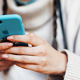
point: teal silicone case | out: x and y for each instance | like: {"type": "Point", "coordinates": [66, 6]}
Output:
{"type": "Point", "coordinates": [11, 25]}
{"type": "Point", "coordinates": [25, 3]}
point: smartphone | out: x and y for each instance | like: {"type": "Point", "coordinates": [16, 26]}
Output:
{"type": "Point", "coordinates": [11, 25]}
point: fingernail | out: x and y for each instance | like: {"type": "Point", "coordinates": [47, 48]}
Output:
{"type": "Point", "coordinates": [9, 44]}
{"type": "Point", "coordinates": [10, 37]}
{"type": "Point", "coordinates": [4, 56]}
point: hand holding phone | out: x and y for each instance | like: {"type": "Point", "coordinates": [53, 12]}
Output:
{"type": "Point", "coordinates": [11, 25]}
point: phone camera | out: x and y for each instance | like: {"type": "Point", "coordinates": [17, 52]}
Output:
{"type": "Point", "coordinates": [0, 21]}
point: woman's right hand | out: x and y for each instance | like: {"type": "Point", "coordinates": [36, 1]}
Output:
{"type": "Point", "coordinates": [4, 64]}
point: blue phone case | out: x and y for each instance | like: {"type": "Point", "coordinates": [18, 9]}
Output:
{"type": "Point", "coordinates": [11, 25]}
{"type": "Point", "coordinates": [25, 3]}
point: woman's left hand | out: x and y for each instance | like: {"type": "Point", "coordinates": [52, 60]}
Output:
{"type": "Point", "coordinates": [41, 57]}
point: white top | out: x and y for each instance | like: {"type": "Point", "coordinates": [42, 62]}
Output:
{"type": "Point", "coordinates": [1, 5]}
{"type": "Point", "coordinates": [71, 16]}
{"type": "Point", "coordinates": [33, 15]}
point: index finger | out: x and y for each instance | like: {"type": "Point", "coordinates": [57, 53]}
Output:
{"type": "Point", "coordinates": [30, 39]}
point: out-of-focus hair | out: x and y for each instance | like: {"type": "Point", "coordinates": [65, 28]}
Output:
{"type": "Point", "coordinates": [55, 8]}
{"type": "Point", "coordinates": [5, 7]}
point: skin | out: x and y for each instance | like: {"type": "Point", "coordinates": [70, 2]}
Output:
{"type": "Point", "coordinates": [41, 57]}
{"type": "Point", "coordinates": [4, 64]}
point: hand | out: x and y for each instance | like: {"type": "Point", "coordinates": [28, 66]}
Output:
{"type": "Point", "coordinates": [41, 57]}
{"type": "Point", "coordinates": [4, 64]}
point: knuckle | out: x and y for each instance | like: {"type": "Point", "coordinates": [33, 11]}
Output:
{"type": "Point", "coordinates": [42, 52]}
{"type": "Point", "coordinates": [24, 59]}
{"type": "Point", "coordinates": [30, 38]}
{"type": "Point", "coordinates": [1, 47]}
{"type": "Point", "coordinates": [21, 50]}
{"type": "Point", "coordinates": [43, 62]}
{"type": "Point", "coordinates": [39, 69]}
{"type": "Point", "coordinates": [31, 34]}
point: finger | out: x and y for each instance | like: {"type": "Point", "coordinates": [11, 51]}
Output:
{"type": "Point", "coordinates": [23, 50]}
{"type": "Point", "coordinates": [5, 63]}
{"type": "Point", "coordinates": [21, 58]}
{"type": "Point", "coordinates": [30, 39]}
{"type": "Point", "coordinates": [36, 68]}
{"type": "Point", "coordinates": [1, 51]}
{"type": "Point", "coordinates": [1, 56]}
{"type": "Point", "coordinates": [5, 45]}
{"type": "Point", "coordinates": [5, 67]}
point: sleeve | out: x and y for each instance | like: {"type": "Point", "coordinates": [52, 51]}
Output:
{"type": "Point", "coordinates": [73, 66]}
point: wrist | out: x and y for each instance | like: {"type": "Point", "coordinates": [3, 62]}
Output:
{"type": "Point", "coordinates": [63, 63]}
{"type": "Point", "coordinates": [60, 64]}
